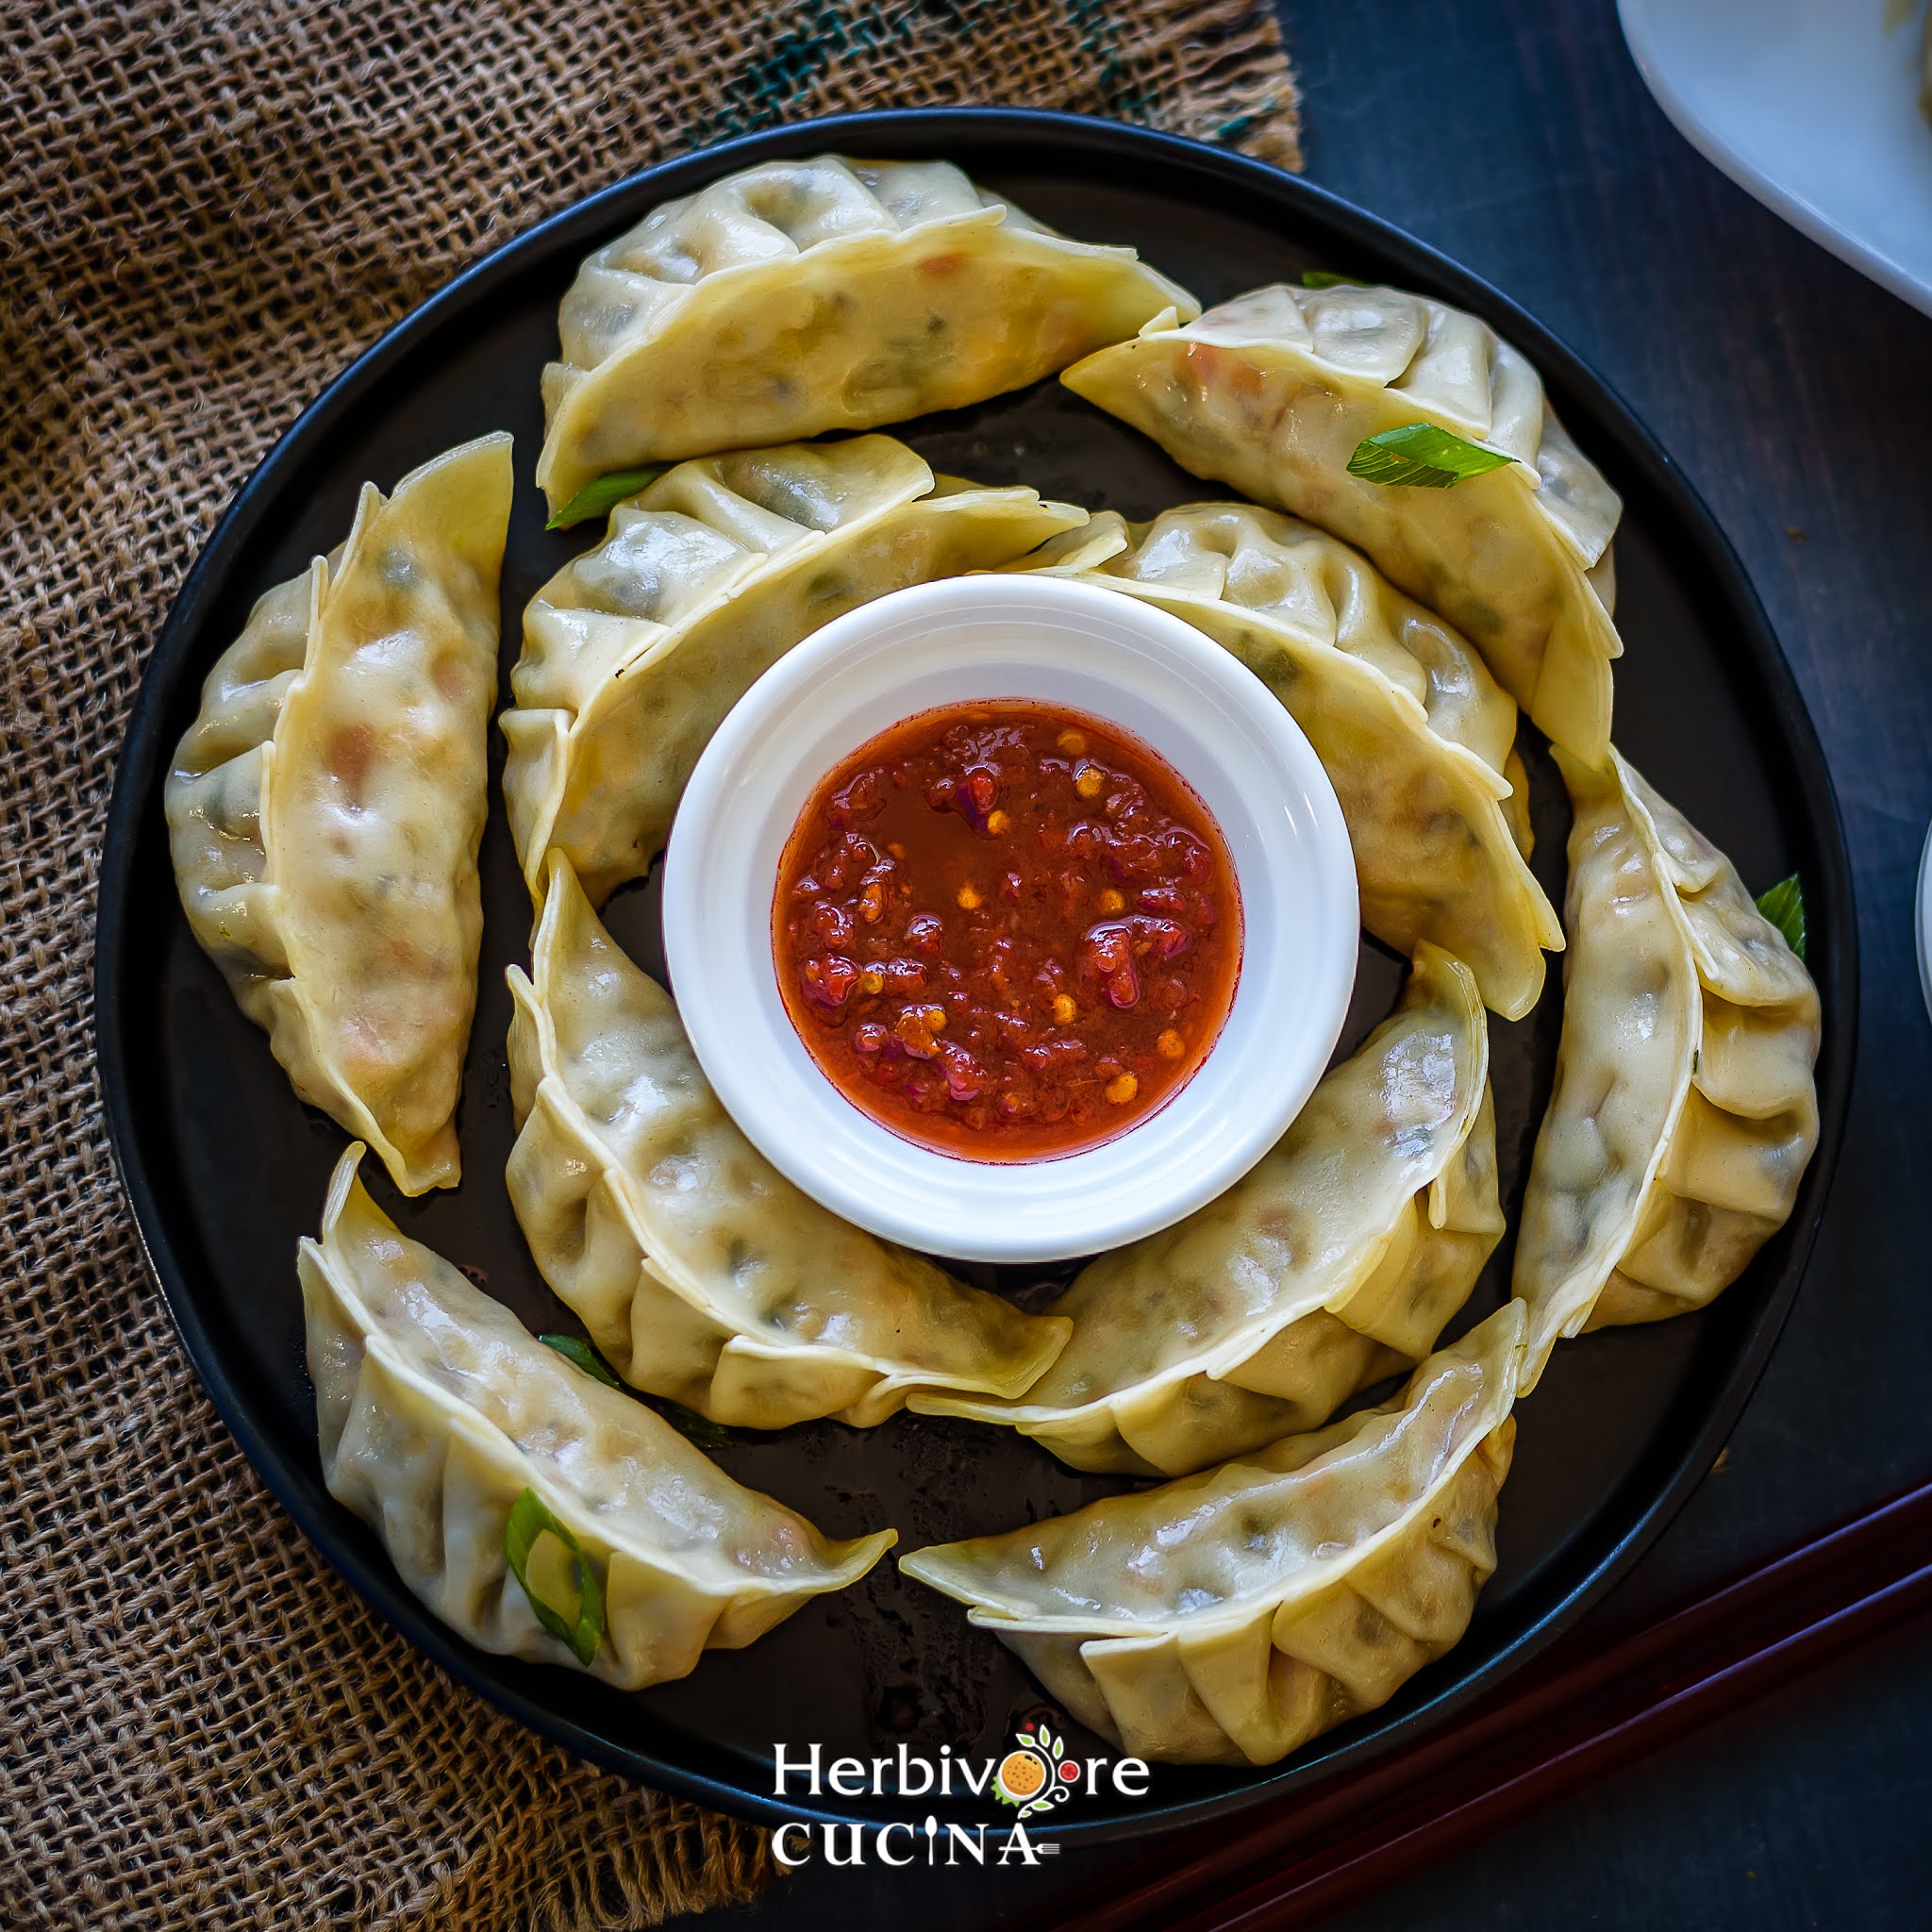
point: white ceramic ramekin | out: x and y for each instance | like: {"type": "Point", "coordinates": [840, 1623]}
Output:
{"type": "Point", "coordinates": [1122, 661]}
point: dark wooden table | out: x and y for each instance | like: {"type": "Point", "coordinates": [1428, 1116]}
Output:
{"type": "Point", "coordinates": [1516, 136]}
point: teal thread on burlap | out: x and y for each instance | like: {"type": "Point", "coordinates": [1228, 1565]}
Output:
{"type": "Point", "coordinates": [812, 38]}
{"type": "Point", "coordinates": [798, 58]}
{"type": "Point", "coordinates": [1098, 26]}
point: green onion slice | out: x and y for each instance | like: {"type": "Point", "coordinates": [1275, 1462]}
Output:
{"type": "Point", "coordinates": [600, 498]}
{"type": "Point", "coordinates": [692, 1426]}
{"type": "Point", "coordinates": [1321, 278]}
{"type": "Point", "coordinates": [1784, 906]}
{"type": "Point", "coordinates": [1419, 456]}
{"type": "Point", "coordinates": [529, 1520]}
{"type": "Point", "coordinates": [574, 1348]}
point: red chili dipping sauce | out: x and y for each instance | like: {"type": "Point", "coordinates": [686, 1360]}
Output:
{"type": "Point", "coordinates": [1006, 931]}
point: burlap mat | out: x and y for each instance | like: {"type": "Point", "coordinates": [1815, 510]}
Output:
{"type": "Point", "coordinates": [206, 212]}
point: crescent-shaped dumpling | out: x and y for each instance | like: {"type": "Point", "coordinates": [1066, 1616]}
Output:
{"type": "Point", "coordinates": [700, 1270]}
{"type": "Point", "coordinates": [538, 1512]}
{"type": "Point", "coordinates": [633, 654]}
{"type": "Point", "coordinates": [814, 294]}
{"type": "Point", "coordinates": [1334, 1261]}
{"type": "Point", "coordinates": [1273, 391]}
{"type": "Point", "coordinates": [1415, 735]}
{"type": "Point", "coordinates": [1230, 1617]}
{"type": "Point", "coordinates": [326, 807]}
{"type": "Point", "coordinates": [1684, 1110]}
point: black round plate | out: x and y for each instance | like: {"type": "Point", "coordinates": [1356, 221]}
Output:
{"type": "Point", "coordinates": [225, 1169]}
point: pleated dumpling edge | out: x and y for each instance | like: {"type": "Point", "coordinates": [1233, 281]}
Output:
{"type": "Point", "coordinates": [820, 294]}
{"type": "Point", "coordinates": [635, 651]}
{"type": "Point", "coordinates": [1229, 1617]}
{"type": "Point", "coordinates": [1274, 393]}
{"type": "Point", "coordinates": [701, 1271]}
{"type": "Point", "coordinates": [1685, 1107]}
{"type": "Point", "coordinates": [1334, 1261]}
{"type": "Point", "coordinates": [537, 1512]}
{"type": "Point", "coordinates": [326, 808]}
{"type": "Point", "coordinates": [1415, 736]}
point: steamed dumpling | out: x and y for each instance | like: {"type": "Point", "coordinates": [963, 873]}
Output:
{"type": "Point", "coordinates": [1335, 1261]}
{"type": "Point", "coordinates": [1684, 1110]}
{"type": "Point", "coordinates": [633, 654]}
{"type": "Point", "coordinates": [700, 1270]}
{"type": "Point", "coordinates": [1230, 1617]}
{"type": "Point", "coordinates": [805, 295]}
{"type": "Point", "coordinates": [1415, 735]}
{"type": "Point", "coordinates": [326, 807]}
{"type": "Point", "coordinates": [472, 1450]}
{"type": "Point", "coordinates": [1273, 391]}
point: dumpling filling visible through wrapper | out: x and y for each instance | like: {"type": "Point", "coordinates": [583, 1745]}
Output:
{"type": "Point", "coordinates": [326, 808]}
{"type": "Point", "coordinates": [1231, 1616]}
{"type": "Point", "coordinates": [1415, 735]}
{"type": "Point", "coordinates": [1334, 1261]}
{"type": "Point", "coordinates": [701, 1271]}
{"type": "Point", "coordinates": [439, 1414]}
{"type": "Point", "coordinates": [1274, 393]}
{"type": "Point", "coordinates": [634, 652]}
{"type": "Point", "coordinates": [1684, 1111]}
{"type": "Point", "coordinates": [808, 296]}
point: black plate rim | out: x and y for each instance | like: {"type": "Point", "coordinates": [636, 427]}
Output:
{"type": "Point", "coordinates": [136, 777]}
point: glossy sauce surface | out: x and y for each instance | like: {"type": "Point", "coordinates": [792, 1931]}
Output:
{"type": "Point", "coordinates": [1007, 930]}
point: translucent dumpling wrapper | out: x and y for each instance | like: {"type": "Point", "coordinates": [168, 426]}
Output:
{"type": "Point", "coordinates": [1417, 738]}
{"type": "Point", "coordinates": [1335, 1261]}
{"type": "Point", "coordinates": [807, 296]}
{"type": "Point", "coordinates": [700, 1270]}
{"type": "Point", "coordinates": [633, 654]}
{"type": "Point", "coordinates": [1231, 1616]}
{"type": "Point", "coordinates": [326, 807]}
{"type": "Point", "coordinates": [538, 1512]}
{"type": "Point", "coordinates": [1273, 392]}
{"type": "Point", "coordinates": [1684, 1110]}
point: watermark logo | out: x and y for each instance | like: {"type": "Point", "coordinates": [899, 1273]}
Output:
{"type": "Point", "coordinates": [1038, 1773]}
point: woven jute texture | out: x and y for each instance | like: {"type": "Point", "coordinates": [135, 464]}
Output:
{"type": "Point", "coordinates": [206, 212]}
